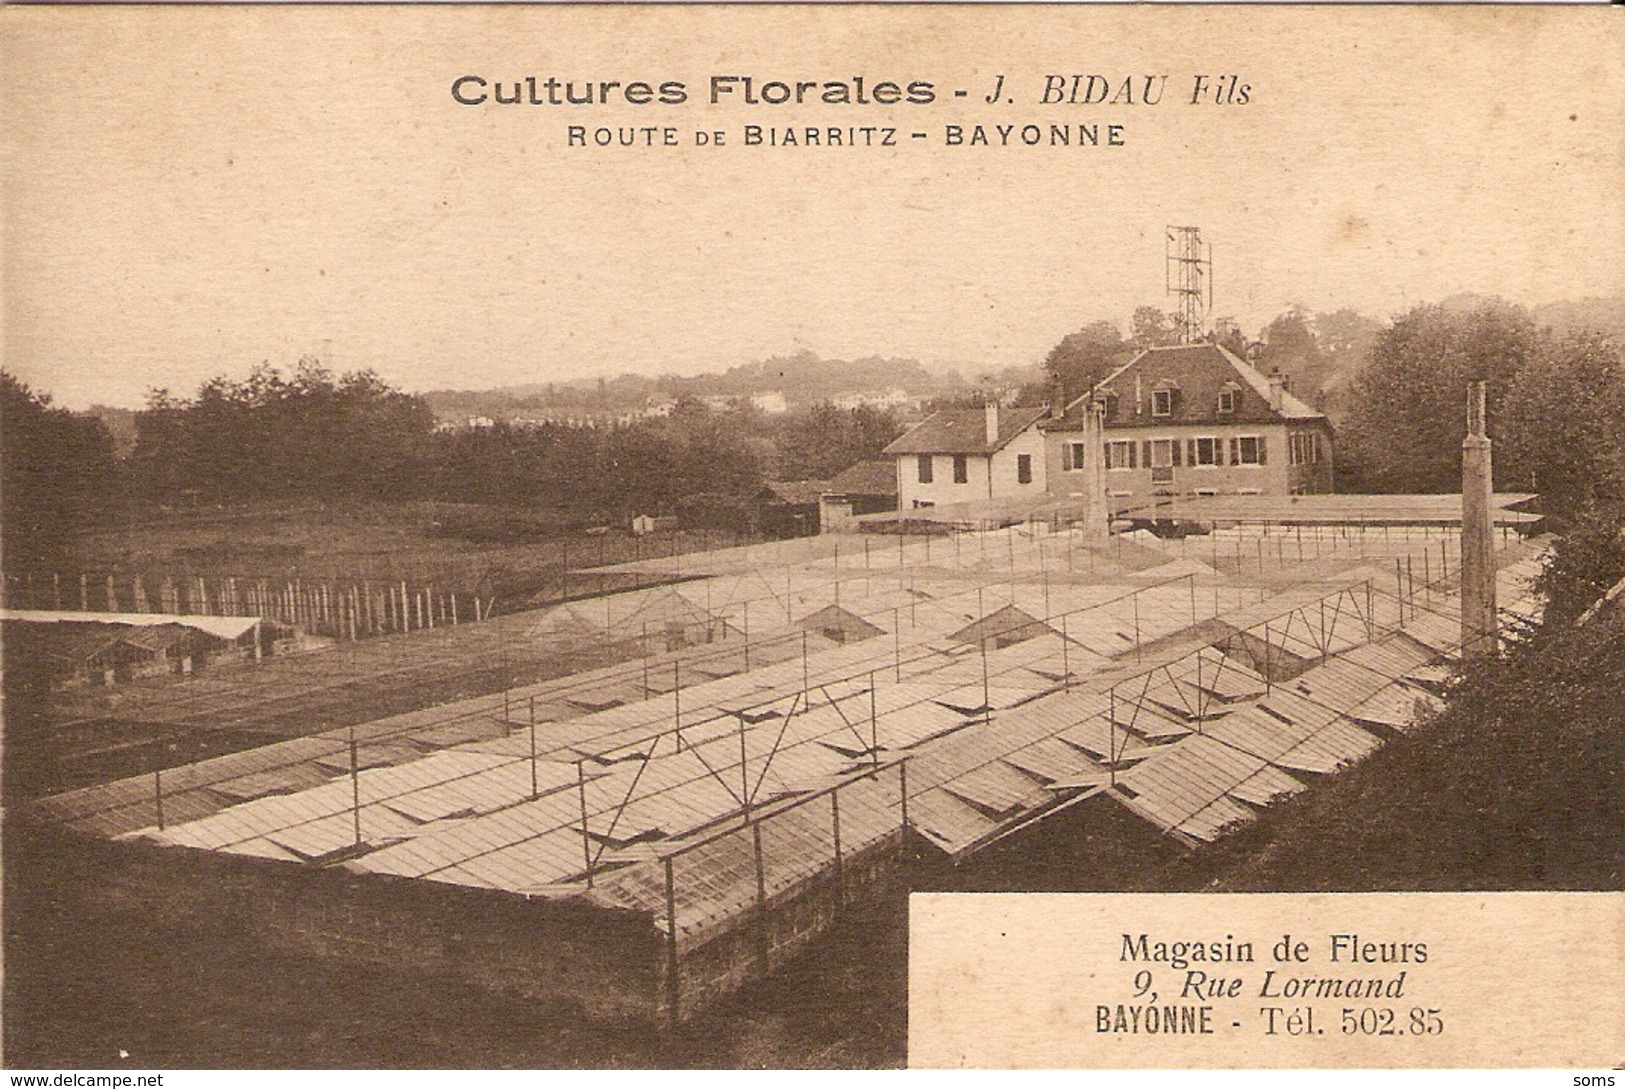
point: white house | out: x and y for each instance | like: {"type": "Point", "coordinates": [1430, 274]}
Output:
{"type": "Point", "coordinates": [965, 455]}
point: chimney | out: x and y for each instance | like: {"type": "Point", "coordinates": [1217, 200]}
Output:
{"type": "Point", "coordinates": [1057, 399]}
{"type": "Point", "coordinates": [1479, 623]}
{"type": "Point", "coordinates": [1097, 515]}
{"type": "Point", "coordinates": [1277, 388]}
{"type": "Point", "coordinates": [992, 410]}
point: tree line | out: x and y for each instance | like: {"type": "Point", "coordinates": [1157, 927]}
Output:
{"type": "Point", "coordinates": [1556, 402]}
{"type": "Point", "coordinates": [314, 435]}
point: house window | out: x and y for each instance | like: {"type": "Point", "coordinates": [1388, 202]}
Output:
{"type": "Point", "coordinates": [1162, 402]}
{"type": "Point", "coordinates": [1163, 455]}
{"type": "Point", "coordinates": [961, 469]}
{"type": "Point", "coordinates": [1120, 455]}
{"type": "Point", "coordinates": [1204, 451]}
{"type": "Point", "coordinates": [1247, 450]}
{"type": "Point", "coordinates": [1305, 448]}
{"type": "Point", "coordinates": [925, 469]}
{"type": "Point", "coordinates": [1024, 468]}
{"type": "Point", "coordinates": [1227, 400]}
{"type": "Point", "coordinates": [1074, 456]}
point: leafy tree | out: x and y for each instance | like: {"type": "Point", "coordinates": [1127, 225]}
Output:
{"type": "Point", "coordinates": [1083, 358]}
{"type": "Point", "coordinates": [1561, 429]}
{"type": "Point", "coordinates": [1289, 341]}
{"type": "Point", "coordinates": [1587, 559]}
{"type": "Point", "coordinates": [1407, 409]}
{"type": "Point", "coordinates": [823, 440]}
{"type": "Point", "coordinates": [1152, 328]}
{"type": "Point", "coordinates": [57, 473]}
{"type": "Point", "coordinates": [1345, 335]}
{"type": "Point", "coordinates": [276, 436]}
{"type": "Point", "coordinates": [1228, 335]}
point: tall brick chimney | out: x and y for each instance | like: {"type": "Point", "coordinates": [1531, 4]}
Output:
{"type": "Point", "coordinates": [1479, 623]}
{"type": "Point", "coordinates": [992, 410]}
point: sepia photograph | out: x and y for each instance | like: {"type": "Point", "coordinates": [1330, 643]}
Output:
{"type": "Point", "coordinates": [838, 537]}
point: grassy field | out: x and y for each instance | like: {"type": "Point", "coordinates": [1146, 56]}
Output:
{"type": "Point", "coordinates": [511, 555]}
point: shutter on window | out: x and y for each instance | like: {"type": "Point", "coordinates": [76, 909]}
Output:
{"type": "Point", "coordinates": [1235, 452]}
{"type": "Point", "coordinates": [1145, 453]}
{"type": "Point", "coordinates": [1261, 450]}
{"type": "Point", "coordinates": [1191, 450]}
{"type": "Point", "coordinates": [1176, 445]}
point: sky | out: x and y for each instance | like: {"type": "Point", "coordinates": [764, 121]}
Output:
{"type": "Point", "coordinates": [190, 192]}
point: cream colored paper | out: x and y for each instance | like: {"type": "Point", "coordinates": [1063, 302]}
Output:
{"type": "Point", "coordinates": [197, 189]}
{"type": "Point", "coordinates": [1267, 980]}
{"type": "Point", "coordinates": [194, 190]}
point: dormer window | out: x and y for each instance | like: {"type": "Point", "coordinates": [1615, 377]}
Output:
{"type": "Point", "coordinates": [1165, 398]}
{"type": "Point", "coordinates": [1228, 397]}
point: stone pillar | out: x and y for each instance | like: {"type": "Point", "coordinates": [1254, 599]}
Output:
{"type": "Point", "coordinates": [1097, 519]}
{"type": "Point", "coordinates": [1479, 627]}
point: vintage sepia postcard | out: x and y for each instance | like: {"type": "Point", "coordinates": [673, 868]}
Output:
{"type": "Point", "coordinates": [781, 536]}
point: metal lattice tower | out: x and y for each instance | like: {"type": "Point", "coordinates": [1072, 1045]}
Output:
{"type": "Point", "coordinates": [1188, 273]}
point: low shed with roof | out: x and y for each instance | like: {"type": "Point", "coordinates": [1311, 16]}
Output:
{"type": "Point", "coordinates": [869, 487]}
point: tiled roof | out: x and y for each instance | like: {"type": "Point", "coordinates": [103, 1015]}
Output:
{"type": "Point", "coordinates": [797, 493]}
{"type": "Point", "coordinates": [875, 477]}
{"type": "Point", "coordinates": [221, 627]}
{"type": "Point", "coordinates": [1199, 372]}
{"type": "Point", "coordinates": [963, 431]}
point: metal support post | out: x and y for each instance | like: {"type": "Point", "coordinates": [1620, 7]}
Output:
{"type": "Point", "coordinates": [902, 790]}
{"type": "Point", "coordinates": [534, 791]}
{"type": "Point", "coordinates": [874, 723]}
{"type": "Point", "coordinates": [677, 700]}
{"type": "Point", "coordinates": [673, 982]}
{"type": "Point", "coordinates": [586, 841]}
{"type": "Point", "coordinates": [1066, 657]}
{"type": "Point", "coordinates": [355, 787]}
{"type": "Point", "coordinates": [835, 822]}
{"type": "Point", "coordinates": [761, 894]}
{"type": "Point", "coordinates": [744, 770]}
